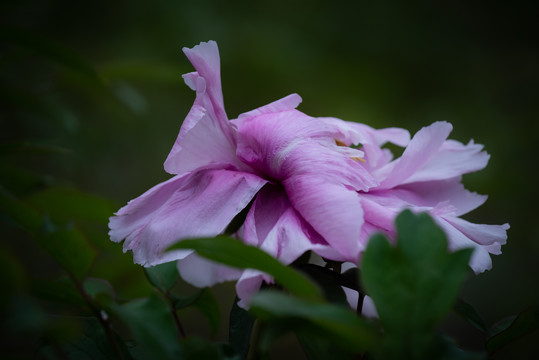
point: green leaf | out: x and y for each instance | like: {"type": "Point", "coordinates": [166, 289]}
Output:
{"type": "Point", "coordinates": [525, 323]}
{"type": "Point", "coordinates": [180, 302]}
{"type": "Point", "coordinates": [234, 253]}
{"type": "Point", "coordinates": [468, 312]}
{"type": "Point", "coordinates": [445, 349]}
{"type": "Point", "coordinates": [501, 325]}
{"type": "Point", "coordinates": [413, 284]}
{"type": "Point", "coordinates": [337, 323]}
{"type": "Point", "coordinates": [151, 327]}
{"type": "Point", "coordinates": [240, 328]}
{"type": "Point", "coordinates": [95, 287]}
{"type": "Point", "coordinates": [328, 280]}
{"type": "Point", "coordinates": [163, 276]}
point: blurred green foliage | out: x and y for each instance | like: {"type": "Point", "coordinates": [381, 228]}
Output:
{"type": "Point", "coordinates": [413, 285]}
{"type": "Point", "coordinates": [91, 100]}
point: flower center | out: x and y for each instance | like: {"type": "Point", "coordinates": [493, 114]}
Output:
{"type": "Point", "coordinates": [355, 158]}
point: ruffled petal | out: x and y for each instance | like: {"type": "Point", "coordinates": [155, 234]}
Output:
{"type": "Point", "coordinates": [380, 213]}
{"type": "Point", "coordinates": [352, 133]}
{"type": "Point", "coordinates": [289, 143]}
{"type": "Point", "coordinates": [370, 139]}
{"type": "Point", "coordinates": [419, 151]}
{"type": "Point", "coordinates": [328, 161]}
{"type": "Point", "coordinates": [249, 284]}
{"type": "Point", "coordinates": [451, 160]}
{"type": "Point", "coordinates": [264, 141]}
{"type": "Point", "coordinates": [205, 144]}
{"type": "Point", "coordinates": [206, 136]}
{"type": "Point", "coordinates": [484, 239]}
{"type": "Point", "coordinates": [333, 210]}
{"type": "Point", "coordinates": [431, 193]}
{"type": "Point", "coordinates": [194, 205]}
{"type": "Point", "coordinates": [289, 102]}
{"type": "Point", "coordinates": [205, 59]}
{"type": "Point", "coordinates": [382, 207]}
{"type": "Point", "coordinates": [493, 236]}
{"type": "Point", "coordinates": [273, 225]}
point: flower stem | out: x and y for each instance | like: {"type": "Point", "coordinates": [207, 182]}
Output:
{"type": "Point", "coordinates": [253, 353]}
{"type": "Point", "coordinates": [99, 315]}
{"type": "Point", "coordinates": [360, 299]}
{"type": "Point", "coordinates": [176, 319]}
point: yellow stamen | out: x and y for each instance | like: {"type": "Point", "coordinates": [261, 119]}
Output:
{"type": "Point", "coordinates": [358, 159]}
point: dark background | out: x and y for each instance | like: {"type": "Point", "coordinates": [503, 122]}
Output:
{"type": "Point", "coordinates": [384, 63]}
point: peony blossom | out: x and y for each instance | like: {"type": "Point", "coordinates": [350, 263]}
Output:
{"type": "Point", "coordinates": [309, 189]}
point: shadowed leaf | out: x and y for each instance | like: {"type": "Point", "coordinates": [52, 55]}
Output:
{"type": "Point", "coordinates": [525, 323]}
{"type": "Point", "coordinates": [151, 328]}
{"type": "Point", "coordinates": [240, 328]}
{"type": "Point", "coordinates": [413, 284]}
{"type": "Point", "coordinates": [336, 322]}
{"type": "Point", "coordinates": [468, 312]}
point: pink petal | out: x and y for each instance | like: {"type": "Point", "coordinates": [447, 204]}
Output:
{"type": "Point", "coordinates": [371, 139]}
{"type": "Point", "coordinates": [206, 136]}
{"type": "Point", "coordinates": [419, 151]}
{"type": "Point", "coordinates": [249, 284]}
{"type": "Point", "coordinates": [333, 210]}
{"type": "Point", "coordinates": [202, 272]}
{"type": "Point", "coordinates": [264, 141]}
{"type": "Point", "coordinates": [380, 211]}
{"type": "Point", "coordinates": [193, 205]}
{"type": "Point", "coordinates": [327, 161]}
{"type": "Point", "coordinates": [205, 59]}
{"type": "Point", "coordinates": [352, 133]}
{"type": "Point", "coordinates": [431, 193]}
{"type": "Point", "coordinates": [275, 226]}
{"type": "Point", "coordinates": [289, 102]}
{"type": "Point", "coordinates": [466, 235]}
{"type": "Point", "coordinates": [287, 143]}
{"type": "Point", "coordinates": [451, 160]}
{"type": "Point", "coordinates": [369, 308]}
{"type": "Point", "coordinates": [204, 144]}
{"type": "Point", "coordinates": [481, 233]}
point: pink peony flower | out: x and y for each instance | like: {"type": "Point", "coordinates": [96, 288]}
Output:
{"type": "Point", "coordinates": [309, 189]}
